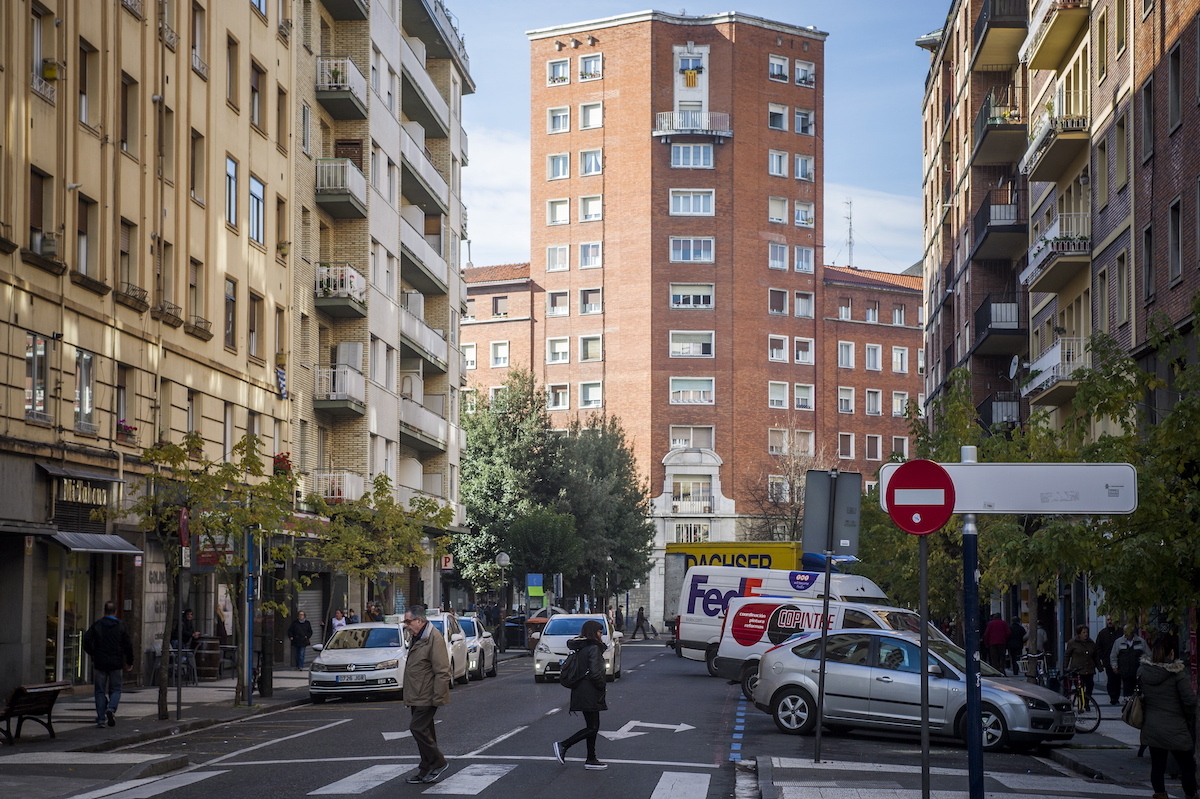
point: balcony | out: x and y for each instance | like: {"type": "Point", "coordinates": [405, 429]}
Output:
{"type": "Point", "coordinates": [341, 390]}
{"type": "Point", "coordinates": [348, 9]}
{"type": "Point", "coordinates": [422, 184]}
{"type": "Point", "coordinates": [338, 487]}
{"type": "Point", "coordinates": [1059, 136]}
{"type": "Point", "coordinates": [168, 313]}
{"type": "Point", "coordinates": [341, 87]}
{"type": "Point", "coordinates": [432, 23]}
{"type": "Point", "coordinates": [422, 340]}
{"type": "Point", "coordinates": [341, 188]}
{"type": "Point", "coordinates": [199, 65]}
{"type": "Point", "coordinates": [1000, 328]}
{"type": "Point", "coordinates": [1060, 254]}
{"type": "Point", "coordinates": [1000, 228]}
{"type": "Point", "coordinates": [420, 99]}
{"type": "Point", "coordinates": [1052, 377]}
{"type": "Point", "coordinates": [199, 327]}
{"type": "Point", "coordinates": [1054, 26]}
{"type": "Point", "coordinates": [692, 503]}
{"type": "Point", "coordinates": [1000, 136]}
{"type": "Point", "coordinates": [340, 290]}
{"type": "Point", "coordinates": [86, 427]}
{"type": "Point", "coordinates": [132, 296]}
{"type": "Point", "coordinates": [692, 123]}
{"type": "Point", "coordinates": [421, 428]}
{"type": "Point", "coordinates": [1002, 407]}
{"type": "Point", "coordinates": [429, 273]}
{"type": "Point", "coordinates": [1000, 30]}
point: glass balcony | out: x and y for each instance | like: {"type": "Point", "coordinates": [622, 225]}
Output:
{"type": "Point", "coordinates": [1060, 253]}
{"type": "Point", "coordinates": [1052, 377]}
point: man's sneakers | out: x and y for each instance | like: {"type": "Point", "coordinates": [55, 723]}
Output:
{"type": "Point", "coordinates": [433, 775]}
{"type": "Point", "coordinates": [592, 764]}
{"type": "Point", "coordinates": [560, 753]}
{"type": "Point", "coordinates": [415, 779]}
{"type": "Point", "coordinates": [111, 717]}
{"type": "Point", "coordinates": [99, 725]}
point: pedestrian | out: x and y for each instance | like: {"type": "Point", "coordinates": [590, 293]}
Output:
{"type": "Point", "coordinates": [1080, 655]}
{"type": "Point", "coordinates": [351, 617]}
{"type": "Point", "coordinates": [1104, 646]}
{"type": "Point", "coordinates": [589, 696]}
{"type": "Point", "coordinates": [1126, 654]}
{"type": "Point", "coordinates": [619, 620]}
{"type": "Point", "coordinates": [995, 639]}
{"type": "Point", "coordinates": [1035, 642]}
{"type": "Point", "coordinates": [1169, 706]}
{"type": "Point", "coordinates": [640, 624]}
{"type": "Point", "coordinates": [108, 644]}
{"type": "Point", "coordinates": [426, 688]}
{"type": "Point", "coordinates": [189, 636]}
{"type": "Point", "coordinates": [300, 634]}
{"type": "Point", "coordinates": [1016, 640]}
{"type": "Point", "coordinates": [336, 623]}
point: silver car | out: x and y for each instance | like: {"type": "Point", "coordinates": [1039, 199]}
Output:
{"type": "Point", "coordinates": [481, 649]}
{"type": "Point", "coordinates": [873, 680]}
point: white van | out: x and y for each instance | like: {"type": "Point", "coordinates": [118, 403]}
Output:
{"type": "Point", "coordinates": [752, 625]}
{"type": "Point", "coordinates": [707, 590]}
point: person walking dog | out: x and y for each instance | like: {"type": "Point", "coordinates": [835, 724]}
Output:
{"type": "Point", "coordinates": [1170, 718]}
{"type": "Point", "coordinates": [588, 697]}
{"type": "Point", "coordinates": [426, 688]}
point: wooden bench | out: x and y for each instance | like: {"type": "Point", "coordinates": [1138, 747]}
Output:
{"type": "Point", "coordinates": [30, 702]}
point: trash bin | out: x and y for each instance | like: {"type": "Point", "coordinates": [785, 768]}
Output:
{"type": "Point", "coordinates": [208, 658]}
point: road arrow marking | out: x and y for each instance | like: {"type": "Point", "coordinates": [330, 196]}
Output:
{"type": "Point", "coordinates": [627, 730]}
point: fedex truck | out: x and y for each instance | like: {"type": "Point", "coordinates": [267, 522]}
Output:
{"type": "Point", "coordinates": [706, 591]}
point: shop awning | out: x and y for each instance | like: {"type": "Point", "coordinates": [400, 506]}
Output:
{"type": "Point", "coordinates": [96, 542]}
{"type": "Point", "coordinates": [57, 470]}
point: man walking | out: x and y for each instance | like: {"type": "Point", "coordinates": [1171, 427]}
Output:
{"type": "Point", "coordinates": [995, 638]}
{"type": "Point", "coordinates": [111, 650]}
{"type": "Point", "coordinates": [300, 633]}
{"type": "Point", "coordinates": [1104, 645]}
{"type": "Point", "coordinates": [1126, 657]}
{"type": "Point", "coordinates": [640, 624]}
{"type": "Point", "coordinates": [426, 687]}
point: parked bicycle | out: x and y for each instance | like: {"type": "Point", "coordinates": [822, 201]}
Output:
{"type": "Point", "coordinates": [1035, 669]}
{"type": "Point", "coordinates": [1087, 710]}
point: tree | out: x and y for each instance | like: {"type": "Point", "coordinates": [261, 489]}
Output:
{"type": "Point", "coordinates": [545, 542]}
{"type": "Point", "coordinates": [776, 499]}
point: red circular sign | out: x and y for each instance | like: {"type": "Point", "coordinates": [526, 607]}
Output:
{"type": "Point", "coordinates": [920, 497]}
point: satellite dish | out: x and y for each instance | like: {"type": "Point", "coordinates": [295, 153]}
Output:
{"type": "Point", "coordinates": [1014, 366]}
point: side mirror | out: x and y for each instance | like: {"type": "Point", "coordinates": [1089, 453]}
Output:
{"type": "Point", "coordinates": [318, 647]}
{"type": "Point", "coordinates": [457, 637]}
{"type": "Point", "coordinates": [534, 636]}
{"type": "Point", "coordinates": [485, 634]}
{"type": "Point", "coordinates": [617, 635]}
{"type": "Point", "coordinates": [934, 670]}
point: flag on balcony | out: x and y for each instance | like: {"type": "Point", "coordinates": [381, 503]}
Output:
{"type": "Point", "coordinates": [281, 379]}
{"type": "Point", "coordinates": [690, 78]}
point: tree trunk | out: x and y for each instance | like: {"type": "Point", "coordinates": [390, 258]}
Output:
{"type": "Point", "coordinates": [172, 568]}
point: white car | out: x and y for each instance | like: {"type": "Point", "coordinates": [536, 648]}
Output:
{"type": "Point", "coordinates": [359, 659]}
{"type": "Point", "coordinates": [456, 644]}
{"type": "Point", "coordinates": [551, 649]}
{"type": "Point", "coordinates": [481, 649]}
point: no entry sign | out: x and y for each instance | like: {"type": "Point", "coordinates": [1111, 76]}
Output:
{"type": "Point", "coordinates": [920, 497]}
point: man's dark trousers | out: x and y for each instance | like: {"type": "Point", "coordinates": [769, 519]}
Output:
{"type": "Point", "coordinates": [425, 735]}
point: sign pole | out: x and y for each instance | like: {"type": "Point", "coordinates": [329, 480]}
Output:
{"type": "Point", "coordinates": [924, 551]}
{"type": "Point", "coordinates": [971, 630]}
{"type": "Point", "coordinates": [833, 475]}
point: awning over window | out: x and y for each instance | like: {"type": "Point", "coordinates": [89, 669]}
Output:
{"type": "Point", "coordinates": [76, 473]}
{"type": "Point", "coordinates": [93, 542]}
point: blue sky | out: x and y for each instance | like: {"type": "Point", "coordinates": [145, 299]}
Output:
{"type": "Point", "coordinates": [874, 85]}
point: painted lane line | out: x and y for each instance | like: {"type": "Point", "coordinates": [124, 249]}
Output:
{"type": "Point", "coordinates": [495, 741]}
{"type": "Point", "coordinates": [471, 781]}
{"type": "Point", "coordinates": [274, 741]}
{"type": "Point", "coordinates": [151, 788]}
{"type": "Point", "coordinates": [364, 780]}
{"type": "Point", "coordinates": [325, 761]}
{"type": "Point", "coordinates": [552, 711]}
{"type": "Point", "coordinates": [681, 785]}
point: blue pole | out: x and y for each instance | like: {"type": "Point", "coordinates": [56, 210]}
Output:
{"type": "Point", "coordinates": [974, 720]}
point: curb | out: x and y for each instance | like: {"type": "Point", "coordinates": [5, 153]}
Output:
{"type": "Point", "coordinates": [767, 789]}
{"type": "Point", "coordinates": [1063, 758]}
{"type": "Point", "coordinates": [154, 768]}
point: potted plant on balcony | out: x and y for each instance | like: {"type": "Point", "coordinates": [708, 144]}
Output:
{"type": "Point", "coordinates": [282, 464]}
{"type": "Point", "coordinates": [335, 77]}
{"type": "Point", "coordinates": [126, 431]}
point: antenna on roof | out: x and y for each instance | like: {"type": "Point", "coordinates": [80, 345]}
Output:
{"type": "Point", "coordinates": [850, 230]}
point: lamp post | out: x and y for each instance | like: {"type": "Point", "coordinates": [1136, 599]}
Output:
{"type": "Point", "coordinates": [502, 560]}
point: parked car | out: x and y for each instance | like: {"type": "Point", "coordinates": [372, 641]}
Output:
{"type": "Point", "coordinates": [551, 645]}
{"type": "Point", "coordinates": [481, 649]}
{"type": "Point", "coordinates": [873, 681]}
{"type": "Point", "coordinates": [359, 659]}
{"type": "Point", "coordinates": [456, 644]}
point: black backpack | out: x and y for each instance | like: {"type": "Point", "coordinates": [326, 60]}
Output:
{"type": "Point", "coordinates": [574, 670]}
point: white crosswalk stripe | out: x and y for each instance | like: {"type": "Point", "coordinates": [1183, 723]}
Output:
{"type": "Point", "coordinates": [681, 785]}
{"type": "Point", "coordinates": [147, 788]}
{"type": "Point", "coordinates": [364, 780]}
{"type": "Point", "coordinates": [472, 780]}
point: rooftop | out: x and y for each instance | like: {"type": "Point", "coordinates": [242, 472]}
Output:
{"type": "Point", "coordinates": [495, 274]}
{"type": "Point", "coordinates": [678, 19]}
{"type": "Point", "coordinates": [871, 279]}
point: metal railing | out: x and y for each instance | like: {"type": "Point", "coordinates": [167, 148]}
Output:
{"type": "Point", "coordinates": [692, 397]}
{"type": "Point", "coordinates": [1060, 361]}
{"type": "Point", "coordinates": [199, 65]}
{"type": "Point", "coordinates": [340, 175]}
{"type": "Point", "coordinates": [1068, 233]}
{"type": "Point", "coordinates": [691, 503]}
{"type": "Point", "coordinates": [714, 122]}
{"type": "Point", "coordinates": [997, 312]}
{"type": "Point", "coordinates": [336, 487]}
{"type": "Point", "coordinates": [340, 280]}
{"type": "Point", "coordinates": [1068, 112]}
{"type": "Point", "coordinates": [995, 10]}
{"type": "Point", "coordinates": [1040, 19]}
{"type": "Point", "coordinates": [340, 382]}
{"type": "Point", "coordinates": [1000, 207]}
{"type": "Point", "coordinates": [43, 88]}
{"type": "Point", "coordinates": [340, 74]}
{"type": "Point", "coordinates": [168, 35]}
{"type": "Point", "coordinates": [1001, 106]}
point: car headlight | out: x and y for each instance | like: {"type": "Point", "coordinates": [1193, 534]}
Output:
{"type": "Point", "coordinates": [318, 666]}
{"type": "Point", "coordinates": [388, 664]}
{"type": "Point", "coordinates": [545, 650]}
{"type": "Point", "coordinates": [473, 648]}
{"type": "Point", "coordinates": [1036, 704]}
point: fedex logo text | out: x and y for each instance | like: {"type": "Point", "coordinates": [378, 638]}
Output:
{"type": "Point", "coordinates": [712, 600]}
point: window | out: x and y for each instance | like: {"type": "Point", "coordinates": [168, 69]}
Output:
{"type": "Point", "coordinates": [845, 354]}
{"type": "Point", "coordinates": [1148, 262]}
{"type": "Point", "coordinates": [37, 377]}
{"type": "Point", "coordinates": [777, 163]}
{"type": "Point", "coordinates": [805, 167]}
{"type": "Point", "coordinates": [874, 444]}
{"type": "Point", "coordinates": [591, 301]}
{"type": "Point", "coordinates": [900, 359]}
{"type": "Point", "coordinates": [590, 395]}
{"type": "Point", "coordinates": [468, 351]}
{"type": "Point", "coordinates": [558, 350]}
{"type": "Point", "coordinates": [804, 215]}
{"type": "Point", "coordinates": [591, 162]}
{"type": "Point", "coordinates": [590, 67]}
{"type": "Point", "coordinates": [231, 72]}
{"type": "Point", "coordinates": [805, 122]}
{"type": "Point", "coordinates": [254, 327]}
{"type": "Point", "coordinates": [1102, 173]}
{"type": "Point", "coordinates": [590, 255]}
{"type": "Point", "coordinates": [804, 304]}
{"type": "Point", "coordinates": [872, 311]}
{"type": "Point", "coordinates": [557, 258]}
{"type": "Point", "coordinates": [591, 115]}
{"type": "Point", "coordinates": [803, 393]}
{"type": "Point", "coordinates": [559, 120]}
{"type": "Point", "coordinates": [691, 202]}
{"type": "Point", "coordinates": [1103, 312]}
{"type": "Point", "coordinates": [804, 259]}
{"type": "Point", "coordinates": [558, 397]}
{"type": "Point", "coordinates": [231, 191]}
{"type": "Point", "coordinates": [777, 256]}
{"type": "Point", "coordinates": [777, 68]}
{"type": "Point", "coordinates": [845, 399]}
{"type": "Point", "coordinates": [89, 62]}
{"type": "Point", "coordinates": [557, 304]}
{"type": "Point", "coordinates": [590, 348]}
{"type": "Point", "coordinates": [777, 209]}
{"type": "Point", "coordinates": [196, 174]}
{"type": "Point", "coordinates": [85, 222]}
{"type": "Point", "coordinates": [590, 208]}
{"type": "Point", "coordinates": [776, 116]}
{"type": "Point", "coordinates": [777, 348]}
{"type": "Point", "coordinates": [845, 445]}
{"type": "Point", "coordinates": [306, 128]}
{"type": "Point", "coordinates": [691, 295]}
{"type": "Point", "coordinates": [1121, 22]}
{"type": "Point", "coordinates": [195, 289]}
{"type": "Point", "coordinates": [803, 350]}
{"type": "Point", "coordinates": [558, 166]}
{"type": "Point", "coordinates": [558, 71]}
{"type": "Point", "coordinates": [874, 402]}
{"type": "Point", "coordinates": [691, 532]}
{"type": "Point", "coordinates": [126, 264]}
{"type": "Point", "coordinates": [920, 361]}
{"type": "Point", "coordinates": [844, 308]}
{"type": "Point", "coordinates": [802, 442]}
{"type": "Point", "coordinates": [230, 314]}
{"type": "Point", "coordinates": [558, 212]}
{"type": "Point", "coordinates": [128, 132]}
{"type": "Point", "coordinates": [257, 210]}
{"type": "Point", "coordinates": [777, 488]}
{"type": "Point", "coordinates": [499, 354]}
{"type": "Point", "coordinates": [1101, 45]}
{"type": "Point", "coordinates": [873, 357]}
{"type": "Point", "coordinates": [1148, 119]}
{"type": "Point", "coordinates": [899, 403]}
{"type": "Point", "coordinates": [692, 391]}
{"type": "Point", "coordinates": [692, 156]}
{"type": "Point", "coordinates": [260, 6]}
{"type": "Point", "coordinates": [805, 76]}
{"type": "Point", "coordinates": [258, 79]}
{"type": "Point", "coordinates": [1122, 288]}
{"type": "Point", "coordinates": [685, 437]}
{"type": "Point", "coordinates": [1121, 151]}
{"type": "Point", "coordinates": [1174, 87]}
{"type": "Point", "coordinates": [900, 447]}
{"type": "Point", "coordinates": [469, 316]}
{"type": "Point", "coordinates": [691, 344]}
{"type": "Point", "coordinates": [1174, 243]}
{"type": "Point", "coordinates": [85, 392]}
{"type": "Point", "coordinates": [500, 305]}
{"type": "Point", "coordinates": [776, 394]}
{"type": "Point", "coordinates": [776, 301]}
{"type": "Point", "coordinates": [692, 250]}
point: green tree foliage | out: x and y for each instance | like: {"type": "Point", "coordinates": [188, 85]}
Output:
{"type": "Point", "coordinates": [544, 542]}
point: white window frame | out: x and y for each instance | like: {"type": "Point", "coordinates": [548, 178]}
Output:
{"type": "Point", "coordinates": [806, 214]}
{"type": "Point", "coordinates": [676, 338]}
{"type": "Point", "coordinates": [873, 357]}
{"type": "Point", "coordinates": [804, 257]}
{"type": "Point", "coordinates": [595, 246]}
{"type": "Point", "coordinates": [781, 435]}
{"type": "Point", "coordinates": [558, 257]}
{"type": "Point", "coordinates": [468, 351]}
{"type": "Point", "coordinates": [899, 403]}
{"type": "Point", "coordinates": [900, 360]}
{"type": "Point", "coordinates": [903, 450]}
{"type": "Point", "coordinates": [847, 438]}
{"type": "Point", "coordinates": [692, 149]}
{"type": "Point", "coordinates": [777, 348]}
{"type": "Point", "coordinates": [710, 391]}
{"type": "Point", "coordinates": [777, 394]}
{"type": "Point", "coordinates": [845, 309]}
{"type": "Point", "coordinates": [583, 162]}
{"type": "Point", "coordinates": [564, 390]}
{"type": "Point", "coordinates": [591, 337]}
{"type": "Point", "coordinates": [703, 196]}
{"type": "Point", "coordinates": [777, 255]}
{"type": "Point", "coordinates": [553, 310]}
{"type": "Point", "coordinates": [805, 73]}
{"type": "Point", "coordinates": [558, 159]}
{"type": "Point", "coordinates": [558, 354]}
{"type": "Point", "coordinates": [873, 402]}
{"type": "Point", "coordinates": [805, 358]}
{"type": "Point", "coordinates": [845, 351]}
{"type": "Point", "coordinates": [586, 309]}
{"type": "Point", "coordinates": [590, 200]}
{"type": "Point", "coordinates": [777, 163]}
{"type": "Point", "coordinates": [804, 301]}
{"type": "Point", "coordinates": [562, 111]}
{"type": "Point", "coordinates": [684, 249]}
{"type": "Point", "coordinates": [806, 115]}
{"type": "Point", "coordinates": [877, 440]}
{"type": "Point", "coordinates": [677, 290]}
{"type": "Point", "coordinates": [586, 110]}
{"type": "Point", "coordinates": [805, 437]}
{"type": "Point", "coordinates": [777, 68]}
{"type": "Point", "coordinates": [559, 80]}
{"type": "Point", "coordinates": [782, 111]}
{"type": "Point", "coordinates": [804, 396]}
{"type": "Point", "coordinates": [594, 74]}
{"type": "Point", "coordinates": [770, 294]}
{"type": "Point", "coordinates": [585, 388]}
{"type": "Point", "coordinates": [690, 441]}
{"type": "Point", "coordinates": [871, 312]}
{"type": "Point", "coordinates": [805, 167]}
{"type": "Point", "coordinates": [553, 207]}
{"type": "Point", "coordinates": [777, 210]}
{"type": "Point", "coordinates": [494, 359]}
{"type": "Point", "coordinates": [845, 399]}
{"type": "Point", "coordinates": [898, 315]}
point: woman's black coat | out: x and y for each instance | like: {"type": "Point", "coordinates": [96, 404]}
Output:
{"type": "Point", "coordinates": [589, 694]}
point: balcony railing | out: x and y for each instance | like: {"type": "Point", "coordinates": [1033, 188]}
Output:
{"type": "Point", "coordinates": [43, 88]}
{"type": "Point", "coordinates": [340, 382]}
{"type": "Point", "coordinates": [199, 65]}
{"type": "Point", "coordinates": [1001, 407]}
{"type": "Point", "coordinates": [337, 75]}
{"type": "Point", "coordinates": [998, 312]}
{"type": "Point", "coordinates": [416, 330]}
{"type": "Point", "coordinates": [417, 417]}
{"type": "Point", "coordinates": [1061, 361]}
{"type": "Point", "coordinates": [341, 188]}
{"type": "Point", "coordinates": [1067, 234]}
{"type": "Point", "coordinates": [340, 280]}
{"type": "Point", "coordinates": [692, 397]}
{"type": "Point", "coordinates": [709, 123]}
{"type": "Point", "coordinates": [994, 12]}
{"type": "Point", "coordinates": [168, 35]}
{"type": "Point", "coordinates": [168, 313]}
{"type": "Point", "coordinates": [692, 503]}
{"type": "Point", "coordinates": [1068, 112]}
{"type": "Point", "coordinates": [338, 487]}
{"type": "Point", "coordinates": [86, 427]}
{"type": "Point", "coordinates": [1049, 25]}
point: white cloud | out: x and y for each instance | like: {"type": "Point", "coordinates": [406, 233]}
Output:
{"type": "Point", "coordinates": [887, 228]}
{"type": "Point", "coordinates": [496, 192]}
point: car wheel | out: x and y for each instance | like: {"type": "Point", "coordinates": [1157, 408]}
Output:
{"type": "Point", "coordinates": [539, 678]}
{"type": "Point", "coordinates": [317, 699]}
{"type": "Point", "coordinates": [460, 680]}
{"type": "Point", "coordinates": [749, 679]}
{"type": "Point", "coordinates": [995, 730]}
{"type": "Point", "coordinates": [794, 711]}
{"type": "Point", "coordinates": [478, 673]}
{"type": "Point", "coordinates": [492, 671]}
{"type": "Point", "coordinates": [710, 660]}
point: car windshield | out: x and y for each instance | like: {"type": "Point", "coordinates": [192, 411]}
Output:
{"type": "Point", "coordinates": [958, 658]}
{"type": "Point", "coordinates": [438, 625]}
{"type": "Point", "coordinates": [561, 626]}
{"type": "Point", "coordinates": [468, 627]}
{"type": "Point", "coordinates": [366, 638]}
{"type": "Point", "coordinates": [907, 620]}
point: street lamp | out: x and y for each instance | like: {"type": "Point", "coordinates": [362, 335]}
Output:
{"type": "Point", "coordinates": [502, 560]}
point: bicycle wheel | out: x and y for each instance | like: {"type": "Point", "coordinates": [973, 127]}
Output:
{"type": "Point", "coordinates": [1087, 719]}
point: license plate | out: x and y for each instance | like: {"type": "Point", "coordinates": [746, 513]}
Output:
{"type": "Point", "coordinates": [351, 678]}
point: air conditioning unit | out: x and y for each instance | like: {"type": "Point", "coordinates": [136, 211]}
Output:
{"type": "Point", "coordinates": [49, 245]}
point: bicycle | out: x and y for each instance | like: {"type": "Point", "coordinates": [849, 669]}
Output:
{"type": "Point", "coordinates": [1034, 668]}
{"type": "Point", "coordinates": [1087, 710]}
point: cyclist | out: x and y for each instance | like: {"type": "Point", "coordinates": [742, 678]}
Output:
{"type": "Point", "coordinates": [1080, 656]}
